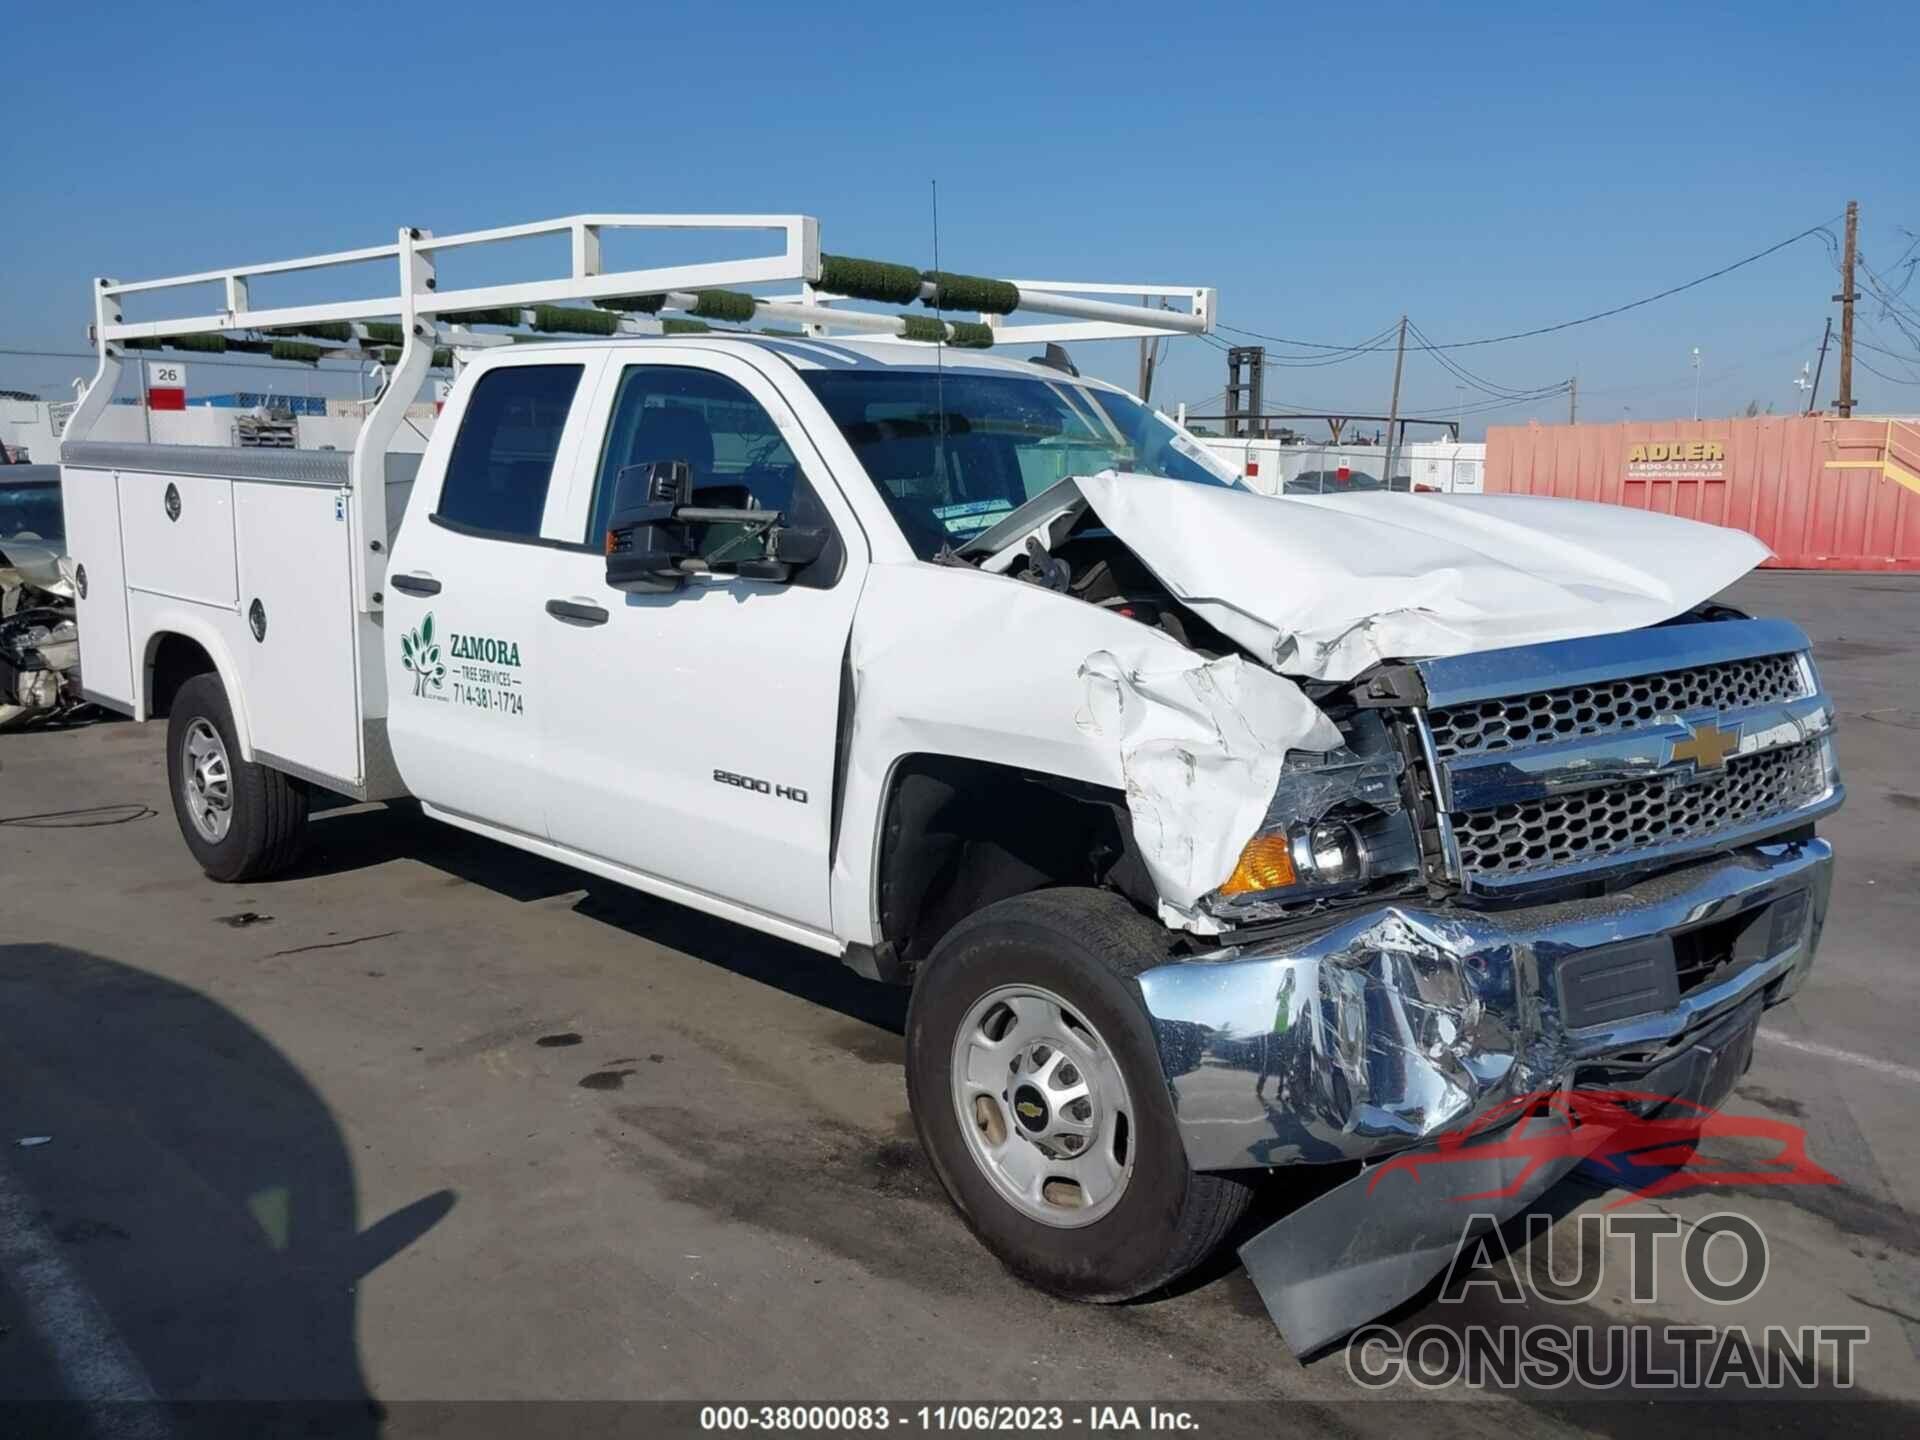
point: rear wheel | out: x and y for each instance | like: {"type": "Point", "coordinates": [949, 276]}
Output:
{"type": "Point", "coordinates": [241, 821]}
{"type": "Point", "coordinates": [1038, 1094]}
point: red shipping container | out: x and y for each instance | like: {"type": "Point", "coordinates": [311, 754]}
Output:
{"type": "Point", "coordinates": [1823, 493]}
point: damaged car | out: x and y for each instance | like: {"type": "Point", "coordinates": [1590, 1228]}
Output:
{"type": "Point", "coordinates": [39, 634]}
{"type": "Point", "coordinates": [1438, 804]}
{"type": "Point", "coordinates": [1214, 832]}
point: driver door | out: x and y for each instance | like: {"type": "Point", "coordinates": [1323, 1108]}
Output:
{"type": "Point", "coordinates": [693, 733]}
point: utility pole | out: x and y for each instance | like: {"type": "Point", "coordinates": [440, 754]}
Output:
{"type": "Point", "coordinates": [1820, 368]}
{"type": "Point", "coordinates": [1573, 400]}
{"type": "Point", "coordinates": [1846, 298]}
{"type": "Point", "coordinates": [1696, 382]}
{"type": "Point", "coordinates": [1393, 410]}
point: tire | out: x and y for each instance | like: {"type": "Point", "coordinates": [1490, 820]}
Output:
{"type": "Point", "coordinates": [265, 812]}
{"type": "Point", "coordinates": [1083, 947]}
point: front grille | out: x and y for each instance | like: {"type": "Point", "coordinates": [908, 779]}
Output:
{"type": "Point", "coordinates": [1486, 726]}
{"type": "Point", "coordinates": [1610, 820]}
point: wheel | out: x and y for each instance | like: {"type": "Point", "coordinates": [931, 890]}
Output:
{"type": "Point", "coordinates": [1038, 1094]}
{"type": "Point", "coordinates": [241, 821]}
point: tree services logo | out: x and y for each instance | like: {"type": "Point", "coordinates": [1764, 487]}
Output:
{"type": "Point", "coordinates": [420, 655]}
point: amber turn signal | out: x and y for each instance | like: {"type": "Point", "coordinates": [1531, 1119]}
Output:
{"type": "Point", "coordinates": [1266, 864]}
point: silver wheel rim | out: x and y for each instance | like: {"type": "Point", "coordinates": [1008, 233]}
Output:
{"type": "Point", "coordinates": [1043, 1105]}
{"type": "Point", "coordinates": [206, 781]}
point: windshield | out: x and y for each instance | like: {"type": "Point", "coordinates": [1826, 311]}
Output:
{"type": "Point", "coordinates": [31, 512]}
{"type": "Point", "coordinates": [1006, 439]}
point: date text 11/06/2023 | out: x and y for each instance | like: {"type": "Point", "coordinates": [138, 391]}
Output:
{"type": "Point", "coordinates": [943, 1418]}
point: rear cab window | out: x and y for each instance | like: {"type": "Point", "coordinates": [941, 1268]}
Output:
{"type": "Point", "coordinates": [503, 458]}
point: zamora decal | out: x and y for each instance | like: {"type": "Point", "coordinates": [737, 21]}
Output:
{"type": "Point", "coordinates": [485, 647]}
{"type": "Point", "coordinates": [485, 676]}
{"type": "Point", "coordinates": [420, 656]}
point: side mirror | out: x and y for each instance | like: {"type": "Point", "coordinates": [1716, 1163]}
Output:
{"type": "Point", "coordinates": [646, 545]}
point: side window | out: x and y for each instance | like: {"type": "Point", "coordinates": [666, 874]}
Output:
{"type": "Point", "coordinates": [738, 458]}
{"type": "Point", "coordinates": [503, 456]}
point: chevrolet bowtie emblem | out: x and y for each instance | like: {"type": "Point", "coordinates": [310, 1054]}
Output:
{"type": "Point", "coordinates": [1707, 745]}
{"type": "Point", "coordinates": [1029, 1109]}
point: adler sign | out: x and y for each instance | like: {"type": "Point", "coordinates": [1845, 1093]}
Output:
{"type": "Point", "coordinates": [1677, 460]}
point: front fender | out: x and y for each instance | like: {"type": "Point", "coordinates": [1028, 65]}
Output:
{"type": "Point", "coordinates": [950, 661]}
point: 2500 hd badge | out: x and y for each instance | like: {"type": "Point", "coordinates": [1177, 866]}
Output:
{"type": "Point", "coordinates": [760, 787]}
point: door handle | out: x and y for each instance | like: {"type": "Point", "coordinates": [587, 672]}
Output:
{"type": "Point", "coordinates": [573, 610]}
{"type": "Point", "coordinates": [414, 584]}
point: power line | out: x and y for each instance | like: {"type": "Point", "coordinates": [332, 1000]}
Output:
{"type": "Point", "coordinates": [1872, 370]}
{"type": "Point", "coordinates": [1811, 230]}
{"type": "Point", "coordinates": [1441, 412]}
{"type": "Point", "coordinates": [1472, 380]}
{"type": "Point", "coordinates": [1881, 349]}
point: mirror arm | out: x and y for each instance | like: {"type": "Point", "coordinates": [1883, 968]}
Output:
{"type": "Point", "coordinates": [706, 514]}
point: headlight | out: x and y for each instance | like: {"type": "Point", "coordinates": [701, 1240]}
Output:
{"type": "Point", "coordinates": [1337, 822]}
{"type": "Point", "coordinates": [1336, 853]}
{"type": "Point", "coordinates": [1317, 856]}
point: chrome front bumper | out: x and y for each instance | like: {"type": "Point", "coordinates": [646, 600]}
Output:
{"type": "Point", "coordinates": [1395, 1023]}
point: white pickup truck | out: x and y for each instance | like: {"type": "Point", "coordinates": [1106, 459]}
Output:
{"type": "Point", "coordinates": [1213, 832]}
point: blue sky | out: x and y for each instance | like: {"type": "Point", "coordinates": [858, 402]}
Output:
{"type": "Point", "coordinates": [1486, 168]}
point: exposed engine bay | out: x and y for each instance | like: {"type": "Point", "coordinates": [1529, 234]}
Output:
{"type": "Point", "coordinates": [1262, 782]}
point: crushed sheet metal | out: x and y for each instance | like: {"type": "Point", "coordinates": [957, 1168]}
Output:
{"type": "Point", "coordinates": [1201, 747]}
{"type": "Point", "coordinates": [1386, 1029]}
{"type": "Point", "coordinates": [1326, 586]}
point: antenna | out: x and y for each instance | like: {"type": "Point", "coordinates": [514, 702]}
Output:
{"type": "Point", "coordinates": [939, 349]}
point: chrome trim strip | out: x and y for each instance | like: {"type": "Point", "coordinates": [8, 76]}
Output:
{"type": "Point", "coordinates": [1437, 774]}
{"type": "Point", "coordinates": [1534, 772]}
{"type": "Point", "coordinates": [1524, 669]}
{"type": "Point", "coordinates": [329, 468]}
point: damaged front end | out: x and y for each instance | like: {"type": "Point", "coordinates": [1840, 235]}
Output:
{"type": "Point", "coordinates": [39, 664]}
{"type": "Point", "coordinates": [1596, 864]}
{"type": "Point", "coordinates": [39, 630]}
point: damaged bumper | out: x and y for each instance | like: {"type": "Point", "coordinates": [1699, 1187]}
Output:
{"type": "Point", "coordinates": [1376, 1034]}
{"type": "Point", "coordinates": [1399, 1022]}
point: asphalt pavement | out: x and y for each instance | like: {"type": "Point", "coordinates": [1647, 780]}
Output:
{"type": "Point", "coordinates": [435, 1121]}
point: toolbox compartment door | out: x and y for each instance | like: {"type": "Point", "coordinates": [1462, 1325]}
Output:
{"type": "Point", "coordinates": [91, 500]}
{"type": "Point", "coordinates": [179, 535]}
{"type": "Point", "coordinates": [295, 651]}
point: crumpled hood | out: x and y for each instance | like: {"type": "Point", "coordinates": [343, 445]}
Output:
{"type": "Point", "coordinates": [1325, 586]}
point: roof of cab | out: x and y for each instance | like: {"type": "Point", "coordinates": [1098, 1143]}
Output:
{"type": "Point", "coordinates": [807, 353]}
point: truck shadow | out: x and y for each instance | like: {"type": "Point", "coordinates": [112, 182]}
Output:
{"type": "Point", "coordinates": [169, 1172]}
{"type": "Point", "coordinates": [347, 838]}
